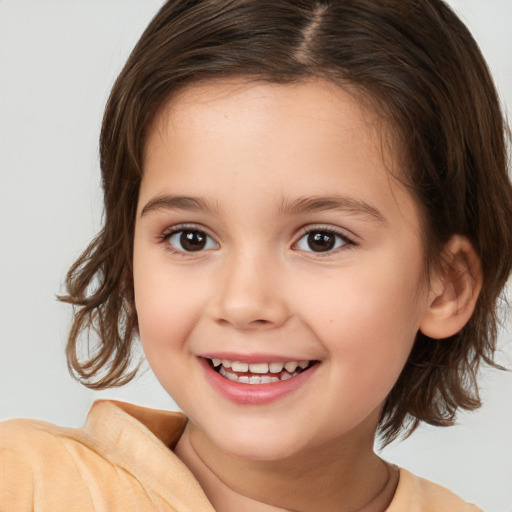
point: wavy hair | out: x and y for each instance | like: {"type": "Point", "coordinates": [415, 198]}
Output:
{"type": "Point", "coordinates": [418, 67]}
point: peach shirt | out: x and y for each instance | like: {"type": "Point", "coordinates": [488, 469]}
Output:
{"type": "Point", "coordinates": [121, 462]}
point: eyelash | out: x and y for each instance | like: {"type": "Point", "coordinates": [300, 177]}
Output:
{"type": "Point", "coordinates": [182, 228]}
{"type": "Point", "coordinates": [346, 244]}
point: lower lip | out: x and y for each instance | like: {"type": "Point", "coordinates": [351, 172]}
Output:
{"type": "Point", "coordinates": [255, 394]}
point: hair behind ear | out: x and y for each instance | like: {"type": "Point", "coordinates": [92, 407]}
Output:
{"type": "Point", "coordinates": [455, 287]}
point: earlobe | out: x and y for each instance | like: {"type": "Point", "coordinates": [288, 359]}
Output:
{"type": "Point", "coordinates": [454, 290]}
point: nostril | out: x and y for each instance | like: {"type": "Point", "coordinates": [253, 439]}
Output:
{"type": "Point", "coordinates": [245, 310]}
{"type": "Point", "coordinates": [240, 323]}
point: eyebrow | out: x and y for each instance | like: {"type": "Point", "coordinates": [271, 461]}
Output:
{"type": "Point", "coordinates": [341, 203]}
{"type": "Point", "coordinates": [299, 205]}
{"type": "Point", "coordinates": [170, 202]}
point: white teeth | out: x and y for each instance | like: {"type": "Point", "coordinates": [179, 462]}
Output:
{"type": "Point", "coordinates": [291, 366]}
{"type": "Point", "coordinates": [228, 375]}
{"type": "Point", "coordinates": [258, 368]}
{"type": "Point", "coordinates": [261, 368]}
{"type": "Point", "coordinates": [260, 372]}
{"type": "Point", "coordinates": [255, 379]}
{"type": "Point", "coordinates": [239, 367]}
{"type": "Point", "coordinates": [276, 367]}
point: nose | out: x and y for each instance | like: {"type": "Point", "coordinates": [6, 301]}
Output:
{"type": "Point", "coordinates": [250, 294]}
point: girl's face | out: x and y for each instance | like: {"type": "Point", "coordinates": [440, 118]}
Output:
{"type": "Point", "coordinates": [269, 232]}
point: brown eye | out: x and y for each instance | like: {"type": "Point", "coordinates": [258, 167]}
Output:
{"type": "Point", "coordinates": [191, 240]}
{"type": "Point", "coordinates": [321, 241]}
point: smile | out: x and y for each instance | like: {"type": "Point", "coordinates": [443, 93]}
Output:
{"type": "Point", "coordinates": [258, 373]}
{"type": "Point", "coordinates": [252, 380]}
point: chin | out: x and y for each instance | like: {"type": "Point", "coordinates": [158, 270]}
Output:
{"type": "Point", "coordinates": [257, 443]}
{"type": "Point", "coordinates": [261, 451]}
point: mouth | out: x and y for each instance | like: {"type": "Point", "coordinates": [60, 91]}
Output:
{"type": "Point", "coordinates": [259, 373]}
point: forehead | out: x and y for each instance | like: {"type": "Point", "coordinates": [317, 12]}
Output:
{"type": "Point", "coordinates": [204, 105]}
{"type": "Point", "coordinates": [292, 138]}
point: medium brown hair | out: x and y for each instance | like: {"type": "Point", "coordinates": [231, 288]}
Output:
{"type": "Point", "coordinates": [418, 66]}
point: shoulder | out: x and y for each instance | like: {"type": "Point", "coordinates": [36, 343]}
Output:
{"type": "Point", "coordinates": [15, 469]}
{"type": "Point", "coordinates": [33, 453]}
{"type": "Point", "coordinates": [12, 431]}
{"type": "Point", "coordinates": [416, 494]}
{"type": "Point", "coordinates": [32, 440]}
{"type": "Point", "coordinates": [120, 461]}
{"type": "Point", "coordinates": [36, 440]}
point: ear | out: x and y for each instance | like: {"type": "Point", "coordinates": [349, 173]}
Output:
{"type": "Point", "coordinates": [454, 290]}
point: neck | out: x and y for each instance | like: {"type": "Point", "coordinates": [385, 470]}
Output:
{"type": "Point", "coordinates": [343, 477]}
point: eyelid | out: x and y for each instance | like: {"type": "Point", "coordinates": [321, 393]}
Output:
{"type": "Point", "coordinates": [177, 228]}
{"type": "Point", "coordinates": [191, 226]}
{"type": "Point", "coordinates": [342, 233]}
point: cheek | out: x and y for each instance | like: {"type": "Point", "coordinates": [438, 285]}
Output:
{"type": "Point", "coordinates": [162, 329]}
{"type": "Point", "coordinates": [156, 302]}
{"type": "Point", "coordinates": [363, 301]}
{"type": "Point", "coordinates": [164, 312]}
{"type": "Point", "coordinates": [367, 320]}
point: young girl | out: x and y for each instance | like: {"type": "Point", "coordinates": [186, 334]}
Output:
{"type": "Point", "coordinates": [306, 225]}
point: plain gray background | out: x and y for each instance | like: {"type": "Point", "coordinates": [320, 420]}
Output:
{"type": "Point", "coordinates": [58, 60]}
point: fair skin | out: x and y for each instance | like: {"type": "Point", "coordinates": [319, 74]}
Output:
{"type": "Point", "coordinates": [301, 248]}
